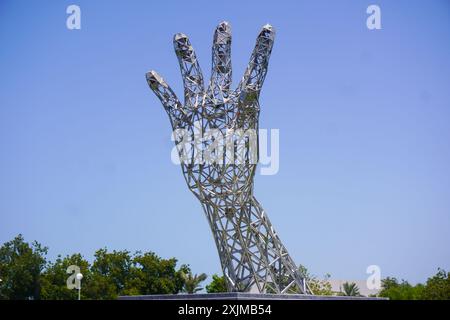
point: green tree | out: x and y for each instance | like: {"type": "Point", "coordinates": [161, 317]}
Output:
{"type": "Point", "coordinates": [437, 287]}
{"type": "Point", "coordinates": [321, 287]}
{"type": "Point", "coordinates": [110, 273]}
{"type": "Point", "coordinates": [192, 282]}
{"type": "Point", "coordinates": [395, 290]}
{"type": "Point", "coordinates": [113, 274]}
{"type": "Point", "coordinates": [217, 285]}
{"type": "Point", "coordinates": [20, 269]}
{"type": "Point", "coordinates": [153, 275]}
{"type": "Point", "coordinates": [350, 289]}
{"type": "Point", "coordinates": [54, 278]}
{"type": "Point", "coordinates": [26, 274]}
{"type": "Point", "coordinates": [98, 287]}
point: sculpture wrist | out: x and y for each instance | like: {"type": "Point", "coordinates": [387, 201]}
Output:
{"type": "Point", "coordinates": [248, 233]}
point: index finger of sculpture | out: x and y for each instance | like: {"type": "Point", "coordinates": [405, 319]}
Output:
{"type": "Point", "coordinates": [220, 82]}
{"type": "Point", "coordinates": [256, 71]}
{"type": "Point", "coordinates": [167, 97]}
{"type": "Point", "coordinates": [190, 71]}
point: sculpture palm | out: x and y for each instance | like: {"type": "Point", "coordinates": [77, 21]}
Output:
{"type": "Point", "coordinates": [252, 256]}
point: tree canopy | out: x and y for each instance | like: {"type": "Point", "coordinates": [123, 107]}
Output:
{"type": "Point", "coordinates": [26, 273]}
{"type": "Point", "coordinates": [217, 285]}
{"type": "Point", "coordinates": [437, 287]}
{"type": "Point", "coordinates": [21, 265]}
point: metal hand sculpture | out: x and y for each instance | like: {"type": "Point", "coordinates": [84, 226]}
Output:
{"type": "Point", "coordinates": [251, 253]}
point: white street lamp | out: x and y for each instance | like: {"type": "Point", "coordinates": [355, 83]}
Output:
{"type": "Point", "coordinates": [79, 277]}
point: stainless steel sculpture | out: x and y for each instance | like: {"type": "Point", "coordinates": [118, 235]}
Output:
{"type": "Point", "coordinates": [251, 253]}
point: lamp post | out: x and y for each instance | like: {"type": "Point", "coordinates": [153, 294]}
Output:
{"type": "Point", "coordinates": [79, 277]}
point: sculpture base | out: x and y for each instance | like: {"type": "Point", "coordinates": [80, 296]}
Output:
{"type": "Point", "coordinates": [241, 296]}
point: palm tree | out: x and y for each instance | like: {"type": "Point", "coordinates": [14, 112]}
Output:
{"type": "Point", "coordinates": [351, 289]}
{"type": "Point", "coordinates": [191, 282]}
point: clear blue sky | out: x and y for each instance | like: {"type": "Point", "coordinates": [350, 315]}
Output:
{"type": "Point", "coordinates": [363, 116]}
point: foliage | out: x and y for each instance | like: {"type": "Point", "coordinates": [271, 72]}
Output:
{"type": "Point", "coordinates": [350, 289]}
{"type": "Point", "coordinates": [110, 273]}
{"type": "Point", "coordinates": [121, 273]}
{"type": "Point", "coordinates": [20, 269]}
{"type": "Point", "coordinates": [54, 278]}
{"type": "Point", "coordinates": [26, 274]}
{"type": "Point", "coordinates": [320, 287]}
{"type": "Point", "coordinates": [217, 285]}
{"type": "Point", "coordinates": [192, 282]}
{"type": "Point", "coordinates": [395, 290]}
{"type": "Point", "coordinates": [152, 275]}
{"type": "Point", "coordinates": [437, 287]}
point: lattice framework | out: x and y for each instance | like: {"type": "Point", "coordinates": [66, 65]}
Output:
{"type": "Point", "coordinates": [252, 256]}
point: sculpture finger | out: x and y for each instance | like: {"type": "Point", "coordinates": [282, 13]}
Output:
{"type": "Point", "coordinates": [168, 98]}
{"type": "Point", "coordinates": [220, 82]}
{"type": "Point", "coordinates": [256, 71]}
{"type": "Point", "coordinates": [190, 71]}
